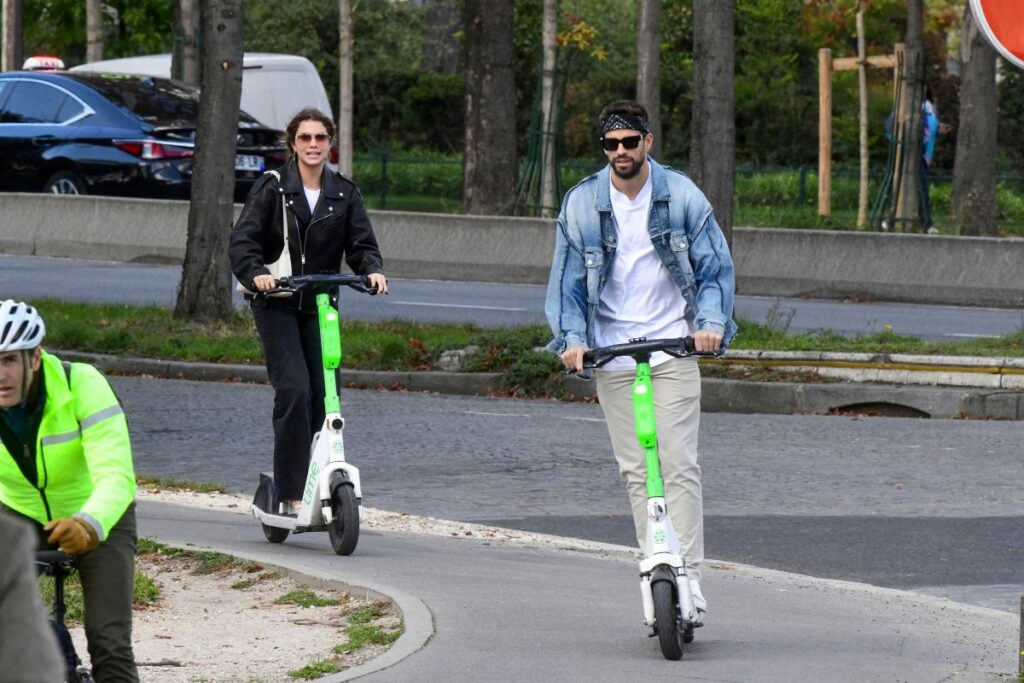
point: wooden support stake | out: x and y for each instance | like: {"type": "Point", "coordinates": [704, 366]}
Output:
{"type": "Point", "coordinates": [862, 82]}
{"type": "Point", "coordinates": [898, 126]}
{"type": "Point", "coordinates": [853, 63]}
{"type": "Point", "coordinates": [824, 132]}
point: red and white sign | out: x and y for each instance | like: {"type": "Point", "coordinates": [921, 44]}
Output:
{"type": "Point", "coordinates": [1002, 22]}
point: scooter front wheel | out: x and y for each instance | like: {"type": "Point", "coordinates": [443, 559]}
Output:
{"type": "Point", "coordinates": [275, 534]}
{"type": "Point", "coordinates": [344, 528]}
{"type": "Point", "coordinates": [666, 615]}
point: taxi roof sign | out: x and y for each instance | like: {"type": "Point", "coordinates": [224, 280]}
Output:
{"type": "Point", "coordinates": [1002, 22]}
{"type": "Point", "coordinates": [42, 63]}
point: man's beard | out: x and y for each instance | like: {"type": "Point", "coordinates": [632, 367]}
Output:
{"type": "Point", "coordinates": [632, 171]}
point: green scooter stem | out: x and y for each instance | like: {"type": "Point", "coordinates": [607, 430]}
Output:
{"type": "Point", "coordinates": [330, 349]}
{"type": "Point", "coordinates": [646, 432]}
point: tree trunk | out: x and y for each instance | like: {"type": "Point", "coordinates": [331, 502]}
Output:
{"type": "Point", "coordinates": [648, 66]}
{"type": "Point", "coordinates": [205, 289]}
{"type": "Point", "coordinates": [94, 35]}
{"type": "Point", "coordinates": [974, 172]}
{"type": "Point", "coordinates": [184, 58]}
{"type": "Point", "coordinates": [549, 110]}
{"type": "Point", "coordinates": [440, 52]}
{"type": "Point", "coordinates": [713, 147]}
{"type": "Point", "coordinates": [345, 40]}
{"type": "Point", "coordinates": [489, 158]}
{"type": "Point", "coordinates": [908, 213]}
{"type": "Point", "coordinates": [11, 57]}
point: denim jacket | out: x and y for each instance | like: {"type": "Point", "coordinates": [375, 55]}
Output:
{"type": "Point", "coordinates": [685, 237]}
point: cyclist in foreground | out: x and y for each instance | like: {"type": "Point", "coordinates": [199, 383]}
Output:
{"type": "Point", "coordinates": [66, 466]}
{"type": "Point", "coordinates": [638, 254]}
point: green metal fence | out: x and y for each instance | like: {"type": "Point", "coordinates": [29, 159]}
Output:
{"type": "Point", "coordinates": [767, 196]}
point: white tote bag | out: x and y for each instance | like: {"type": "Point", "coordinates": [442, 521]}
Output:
{"type": "Point", "coordinates": [282, 267]}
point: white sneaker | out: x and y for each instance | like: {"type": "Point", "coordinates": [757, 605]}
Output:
{"type": "Point", "coordinates": [699, 603]}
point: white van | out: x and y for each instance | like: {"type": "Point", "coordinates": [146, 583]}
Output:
{"type": "Point", "coordinates": [274, 86]}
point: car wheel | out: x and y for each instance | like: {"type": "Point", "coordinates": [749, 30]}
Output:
{"type": "Point", "coordinates": [64, 182]}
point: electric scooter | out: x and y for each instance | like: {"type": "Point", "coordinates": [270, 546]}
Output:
{"type": "Point", "coordinates": [332, 497]}
{"type": "Point", "coordinates": [58, 565]}
{"type": "Point", "coordinates": [664, 581]}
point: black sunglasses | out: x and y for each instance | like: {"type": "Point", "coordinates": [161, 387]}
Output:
{"type": "Point", "coordinates": [308, 137]}
{"type": "Point", "coordinates": [612, 144]}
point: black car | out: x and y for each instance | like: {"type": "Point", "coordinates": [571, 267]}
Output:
{"type": "Point", "coordinates": [113, 134]}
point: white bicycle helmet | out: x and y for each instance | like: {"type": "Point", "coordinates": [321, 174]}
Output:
{"type": "Point", "coordinates": [21, 328]}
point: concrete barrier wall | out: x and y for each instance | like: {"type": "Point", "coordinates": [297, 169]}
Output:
{"type": "Point", "coordinates": [920, 268]}
{"type": "Point", "coordinates": [770, 262]}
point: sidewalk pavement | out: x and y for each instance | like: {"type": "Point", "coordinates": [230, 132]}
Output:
{"type": "Point", "coordinates": [487, 610]}
{"type": "Point", "coordinates": [899, 385]}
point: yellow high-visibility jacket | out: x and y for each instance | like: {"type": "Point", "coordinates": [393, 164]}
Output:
{"type": "Point", "coordinates": [82, 451]}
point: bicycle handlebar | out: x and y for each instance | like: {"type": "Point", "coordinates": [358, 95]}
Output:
{"type": "Point", "coordinates": [679, 347]}
{"type": "Point", "coordinates": [294, 283]}
{"type": "Point", "coordinates": [53, 557]}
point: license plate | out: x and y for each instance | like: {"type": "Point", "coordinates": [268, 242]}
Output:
{"type": "Point", "coordinates": [248, 162]}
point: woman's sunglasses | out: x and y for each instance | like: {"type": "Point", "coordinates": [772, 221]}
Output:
{"type": "Point", "coordinates": [319, 137]}
{"type": "Point", "coordinates": [612, 144]}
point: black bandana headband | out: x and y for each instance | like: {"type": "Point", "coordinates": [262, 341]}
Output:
{"type": "Point", "coordinates": [623, 122]}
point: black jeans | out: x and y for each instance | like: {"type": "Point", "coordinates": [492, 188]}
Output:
{"type": "Point", "coordinates": [291, 348]}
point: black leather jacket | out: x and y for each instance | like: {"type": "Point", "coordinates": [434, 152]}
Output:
{"type": "Point", "coordinates": [338, 228]}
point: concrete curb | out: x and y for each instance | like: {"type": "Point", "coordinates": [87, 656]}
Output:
{"type": "Point", "coordinates": [720, 395]}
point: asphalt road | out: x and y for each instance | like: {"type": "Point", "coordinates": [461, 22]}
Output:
{"type": "Point", "coordinates": [494, 305]}
{"type": "Point", "coordinates": [928, 505]}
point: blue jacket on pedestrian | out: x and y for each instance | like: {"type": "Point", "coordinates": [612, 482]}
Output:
{"type": "Point", "coordinates": [685, 236]}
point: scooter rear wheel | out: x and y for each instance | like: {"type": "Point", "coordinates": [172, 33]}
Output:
{"type": "Point", "coordinates": [666, 615]}
{"type": "Point", "coordinates": [264, 500]}
{"type": "Point", "coordinates": [344, 528]}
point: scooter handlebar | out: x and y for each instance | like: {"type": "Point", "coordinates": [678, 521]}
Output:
{"type": "Point", "coordinates": [294, 283]}
{"type": "Point", "coordinates": [679, 347]}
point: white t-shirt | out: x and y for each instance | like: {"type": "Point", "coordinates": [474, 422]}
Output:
{"type": "Point", "coordinates": [640, 298]}
{"type": "Point", "coordinates": [312, 196]}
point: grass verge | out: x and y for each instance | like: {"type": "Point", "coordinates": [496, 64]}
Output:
{"type": "Point", "coordinates": [516, 353]}
{"type": "Point", "coordinates": [367, 627]}
{"type": "Point", "coordinates": [201, 561]}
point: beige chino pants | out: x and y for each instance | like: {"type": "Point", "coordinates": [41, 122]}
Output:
{"type": "Point", "coordinates": [676, 385]}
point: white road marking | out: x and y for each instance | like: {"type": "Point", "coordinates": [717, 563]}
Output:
{"type": "Point", "coordinates": [480, 412]}
{"type": "Point", "coordinates": [482, 308]}
{"type": "Point", "coordinates": [972, 336]}
{"type": "Point", "coordinates": [586, 419]}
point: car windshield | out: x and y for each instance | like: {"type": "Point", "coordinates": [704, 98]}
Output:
{"type": "Point", "coordinates": [159, 101]}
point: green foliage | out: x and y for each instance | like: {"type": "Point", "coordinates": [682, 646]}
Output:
{"type": "Point", "coordinates": [1011, 119]}
{"type": "Point", "coordinates": [305, 598]}
{"type": "Point", "coordinates": [361, 636]}
{"type": "Point", "coordinates": [517, 353]}
{"type": "Point", "coordinates": [316, 669]}
{"type": "Point", "coordinates": [401, 108]}
{"type": "Point", "coordinates": [202, 562]}
{"type": "Point", "coordinates": [144, 592]}
{"type": "Point", "coordinates": [243, 584]}
{"type": "Point", "coordinates": [131, 27]}
{"type": "Point", "coordinates": [387, 83]}
{"type": "Point", "coordinates": [375, 611]}
{"type": "Point", "coordinates": [148, 481]}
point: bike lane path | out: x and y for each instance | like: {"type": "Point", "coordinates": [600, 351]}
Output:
{"type": "Point", "coordinates": [480, 610]}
